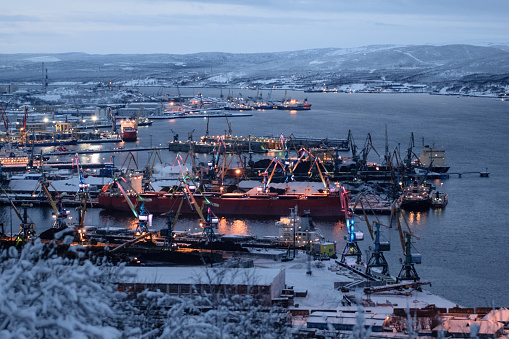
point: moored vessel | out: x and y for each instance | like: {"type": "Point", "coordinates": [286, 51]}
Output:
{"type": "Point", "coordinates": [416, 197]}
{"type": "Point", "coordinates": [234, 204]}
{"type": "Point", "coordinates": [129, 130]}
{"type": "Point", "coordinates": [433, 159]}
{"type": "Point", "coordinates": [439, 199]}
{"type": "Point", "coordinates": [294, 105]}
{"type": "Point", "coordinates": [254, 203]}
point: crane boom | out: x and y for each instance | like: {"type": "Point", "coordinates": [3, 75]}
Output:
{"type": "Point", "coordinates": [12, 204]}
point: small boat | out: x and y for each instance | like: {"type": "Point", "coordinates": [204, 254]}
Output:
{"type": "Point", "coordinates": [61, 149]}
{"type": "Point", "coordinates": [439, 199]}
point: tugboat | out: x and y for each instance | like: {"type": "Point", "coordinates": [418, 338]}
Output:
{"type": "Point", "coordinates": [129, 130]}
{"type": "Point", "coordinates": [439, 200]}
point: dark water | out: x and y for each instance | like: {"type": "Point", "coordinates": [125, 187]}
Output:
{"type": "Point", "coordinates": [465, 247]}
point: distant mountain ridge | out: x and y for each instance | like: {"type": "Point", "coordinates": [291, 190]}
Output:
{"type": "Point", "coordinates": [424, 64]}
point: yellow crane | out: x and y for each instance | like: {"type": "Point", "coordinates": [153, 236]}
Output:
{"type": "Point", "coordinates": [59, 213]}
{"type": "Point", "coordinates": [315, 161]}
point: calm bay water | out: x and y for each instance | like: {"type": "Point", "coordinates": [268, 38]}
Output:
{"type": "Point", "coordinates": [465, 247]}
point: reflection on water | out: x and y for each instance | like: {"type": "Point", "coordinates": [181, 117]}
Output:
{"type": "Point", "coordinates": [233, 227]}
{"type": "Point", "coordinates": [417, 218]}
{"type": "Point", "coordinates": [447, 236]}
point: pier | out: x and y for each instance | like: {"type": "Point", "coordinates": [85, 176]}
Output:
{"type": "Point", "coordinates": [482, 174]}
{"type": "Point", "coordinates": [105, 151]}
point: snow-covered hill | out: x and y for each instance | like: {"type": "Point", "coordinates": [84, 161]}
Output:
{"type": "Point", "coordinates": [424, 64]}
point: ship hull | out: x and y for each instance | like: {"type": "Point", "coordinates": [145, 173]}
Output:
{"type": "Point", "coordinates": [130, 135]}
{"type": "Point", "coordinates": [252, 206]}
{"type": "Point", "coordinates": [416, 205]}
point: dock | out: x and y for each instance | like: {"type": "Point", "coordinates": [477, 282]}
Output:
{"type": "Point", "coordinates": [199, 115]}
{"type": "Point", "coordinates": [105, 151]}
{"type": "Point", "coordinates": [482, 174]}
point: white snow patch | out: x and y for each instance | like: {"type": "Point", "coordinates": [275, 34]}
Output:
{"type": "Point", "coordinates": [221, 78]}
{"type": "Point", "coordinates": [411, 56]}
{"type": "Point", "coordinates": [43, 59]}
{"type": "Point", "coordinates": [353, 87]}
{"type": "Point", "coordinates": [316, 62]}
{"type": "Point", "coordinates": [64, 83]}
{"type": "Point", "coordinates": [268, 81]}
{"type": "Point", "coordinates": [49, 97]}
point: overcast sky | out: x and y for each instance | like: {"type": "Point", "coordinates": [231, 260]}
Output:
{"type": "Point", "coordinates": [166, 26]}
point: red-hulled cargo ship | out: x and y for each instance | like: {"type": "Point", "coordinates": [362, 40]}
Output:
{"type": "Point", "coordinates": [129, 130]}
{"type": "Point", "coordinates": [319, 205]}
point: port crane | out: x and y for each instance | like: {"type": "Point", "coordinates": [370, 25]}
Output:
{"type": "Point", "coordinates": [407, 271]}
{"type": "Point", "coordinates": [171, 221]}
{"type": "Point", "coordinates": [316, 161]}
{"type": "Point", "coordinates": [23, 130]}
{"type": "Point", "coordinates": [208, 220]}
{"type": "Point", "coordinates": [27, 229]}
{"type": "Point", "coordinates": [229, 127]}
{"type": "Point", "coordinates": [351, 247]}
{"type": "Point", "coordinates": [218, 168]}
{"type": "Point", "coordinates": [59, 213]}
{"type": "Point", "coordinates": [143, 216]}
{"type": "Point", "coordinates": [111, 115]}
{"type": "Point", "coordinates": [5, 119]}
{"type": "Point", "coordinates": [130, 158]}
{"type": "Point", "coordinates": [268, 178]}
{"type": "Point", "coordinates": [377, 258]}
{"type": "Point", "coordinates": [149, 168]}
{"type": "Point", "coordinates": [83, 196]}
{"type": "Point", "coordinates": [361, 159]}
{"type": "Point", "coordinates": [175, 135]}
